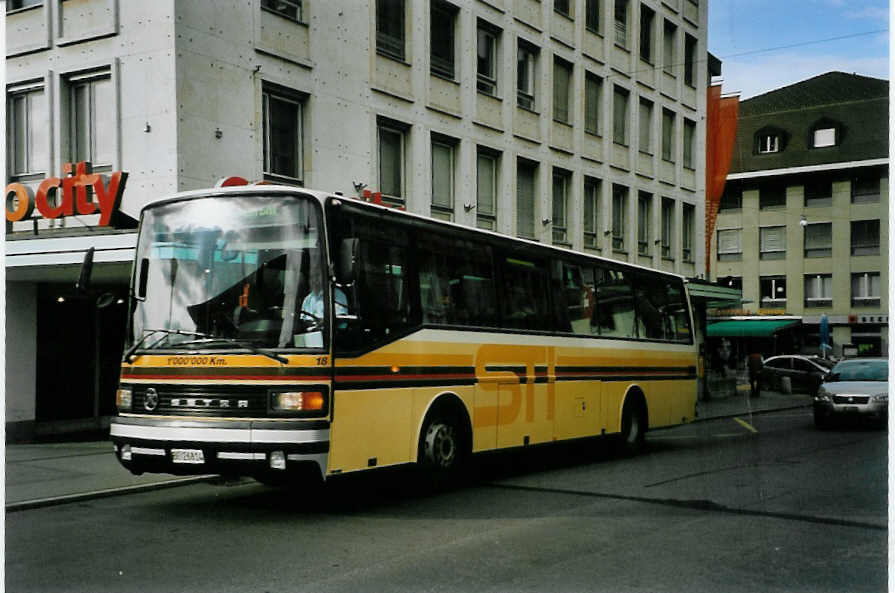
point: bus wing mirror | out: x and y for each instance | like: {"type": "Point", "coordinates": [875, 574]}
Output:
{"type": "Point", "coordinates": [347, 263]}
{"type": "Point", "coordinates": [142, 279]}
{"type": "Point", "coordinates": [83, 284]}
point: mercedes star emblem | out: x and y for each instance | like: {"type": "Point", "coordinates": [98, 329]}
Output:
{"type": "Point", "coordinates": [150, 402]}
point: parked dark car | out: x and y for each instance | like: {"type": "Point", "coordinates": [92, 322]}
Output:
{"type": "Point", "coordinates": [805, 373]}
{"type": "Point", "coordinates": [855, 388]}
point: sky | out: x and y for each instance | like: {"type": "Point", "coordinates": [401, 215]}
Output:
{"type": "Point", "coordinates": [767, 44]}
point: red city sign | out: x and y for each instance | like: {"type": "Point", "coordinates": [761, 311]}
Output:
{"type": "Point", "coordinates": [70, 193]}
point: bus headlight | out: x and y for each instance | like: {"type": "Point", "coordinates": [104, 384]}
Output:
{"type": "Point", "coordinates": [123, 399]}
{"type": "Point", "coordinates": [297, 401]}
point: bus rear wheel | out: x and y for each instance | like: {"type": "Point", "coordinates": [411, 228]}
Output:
{"type": "Point", "coordinates": [631, 439]}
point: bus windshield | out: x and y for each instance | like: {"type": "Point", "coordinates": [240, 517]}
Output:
{"type": "Point", "coordinates": [224, 272]}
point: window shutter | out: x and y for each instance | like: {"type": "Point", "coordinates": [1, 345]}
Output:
{"type": "Point", "coordinates": [818, 236]}
{"type": "Point", "coordinates": [729, 241]}
{"type": "Point", "coordinates": [773, 238]}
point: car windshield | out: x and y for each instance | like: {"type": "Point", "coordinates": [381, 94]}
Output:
{"type": "Point", "coordinates": [230, 271]}
{"type": "Point", "coordinates": [861, 370]}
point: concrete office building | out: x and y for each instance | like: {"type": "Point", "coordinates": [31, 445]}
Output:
{"type": "Point", "coordinates": [802, 226]}
{"type": "Point", "coordinates": [575, 122]}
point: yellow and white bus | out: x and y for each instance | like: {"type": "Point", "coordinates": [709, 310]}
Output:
{"type": "Point", "coordinates": [274, 330]}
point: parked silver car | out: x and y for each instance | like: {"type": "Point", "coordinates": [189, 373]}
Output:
{"type": "Point", "coordinates": [857, 388]}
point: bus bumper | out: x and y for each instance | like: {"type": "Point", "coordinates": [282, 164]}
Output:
{"type": "Point", "coordinates": [246, 447]}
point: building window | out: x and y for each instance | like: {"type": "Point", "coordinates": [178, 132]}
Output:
{"type": "Point", "coordinates": [818, 190]}
{"type": "Point", "coordinates": [734, 282]}
{"type": "Point", "coordinates": [443, 177]}
{"type": "Point", "coordinates": [592, 15]}
{"type": "Point", "coordinates": [865, 237]}
{"type": "Point", "coordinates": [525, 199]}
{"type": "Point", "coordinates": [288, 8]}
{"type": "Point", "coordinates": [621, 23]}
{"type": "Point", "coordinates": [27, 132]}
{"type": "Point", "coordinates": [591, 212]}
{"type": "Point", "coordinates": [730, 245]}
{"type": "Point", "coordinates": [562, 7]}
{"type": "Point", "coordinates": [390, 28]}
{"type": "Point", "coordinates": [824, 137]}
{"type": "Point", "coordinates": [620, 116]}
{"type": "Point", "coordinates": [19, 4]}
{"type": "Point", "coordinates": [772, 242]}
{"type": "Point", "coordinates": [771, 195]}
{"type": "Point", "coordinates": [487, 60]}
{"type": "Point", "coordinates": [561, 182]}
{"type": "Point", "coordinates": [668, 42]}
{"type": "Point", "coordinates": [92, 123]}
{"type": "Point", "coordinates": [619, 206]}
{"type": "Point", "coordinates": [773, 291]}
{"type": "Point", "coordinates": [732, 198]}
{"type": "Point", "coordinates": [688, 216]}
{"type": "Point", "coordinates": [689, 139]}
{"type": "Point", "coordinates": [593, 88]}
{"type": "Point", "coordinates": [282, 135]}
{"type": "Point", "coordinates": [689, 60]}
{"type": "Point", "coordinates": [865, 187]}
{"type": "Point", "coordinates": [647, 16]}
{"type": "Point", "coordinates": [391, 161]}
{"type": "Point", "coordinates": [819, 290]}
{"type": "Point", "coordinates": [865, 289]}
{"type": "Point", "coordinates": [768, 143]}
{"type": "Point", "coordinates": [667, 135]}
{"type": "Point", "coordinates": [486, 189]}
{"type": "Point", "coordinates": [644, 222]}
{"type": "Point", "coordinates": [441, 25]}
{"type": "Point", "coordinates": [562, 80]}
{"type": "Point", "coordinates": [667, 227]}
{"type": "Point", "coordinates": [525, 75]}
{"type": "Point", "coordinates": [646, 127]}
{"type": "Point", "coordinates": [819, 239]}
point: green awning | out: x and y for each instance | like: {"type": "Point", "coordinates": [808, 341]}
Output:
{"type": "Point", "coordinates": [751, 328]}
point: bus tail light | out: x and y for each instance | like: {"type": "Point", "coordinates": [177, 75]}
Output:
{"type": "Point", "coordinates": [298, 401]}
{"type": "Point", "coordinates": [123, 399]}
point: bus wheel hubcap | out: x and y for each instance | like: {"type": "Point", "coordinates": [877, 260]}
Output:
{"type": "Point", "coordinates": [441, 444]}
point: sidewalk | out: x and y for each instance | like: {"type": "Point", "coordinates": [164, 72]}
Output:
{"type": "Point", "coordinates": [39, 474]}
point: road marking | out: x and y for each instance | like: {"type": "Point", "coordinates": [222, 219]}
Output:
{"type": "Point", "coordinates": [67, 498]}
{"type": "Point", "coordinates": [693, 436]}
{"type": "Point", "coordinates": [745, 424]}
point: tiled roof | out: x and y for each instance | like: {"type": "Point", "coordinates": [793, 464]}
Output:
{"type": "Point", "coordinates": [832, 88]}
{"type": "Point", "coordinates": [857, 106]}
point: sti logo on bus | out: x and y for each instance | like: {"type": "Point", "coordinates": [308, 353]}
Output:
{"type": "Point", "coordinates": [68, 196]}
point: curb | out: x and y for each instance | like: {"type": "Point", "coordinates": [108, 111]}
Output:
{"type": "Point", "coordinates": [94, 494]}
{"type": "Point", "coordinates": [745, 412]}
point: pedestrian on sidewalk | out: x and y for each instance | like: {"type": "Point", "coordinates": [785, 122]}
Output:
{"type": "Point", "coordinates": [755, 364]}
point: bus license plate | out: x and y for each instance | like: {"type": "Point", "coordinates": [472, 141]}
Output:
{"type": "Point", "coordinates": [187, 456]}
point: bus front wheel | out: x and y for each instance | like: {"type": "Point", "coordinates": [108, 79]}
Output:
{"type": "Point", "coordinates": [441, 444]}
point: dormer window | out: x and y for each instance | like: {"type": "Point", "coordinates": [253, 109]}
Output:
{"type": "Point", "coordinates": [825, 132]}
{"type": "Point", "coordinates": [768, 143]}
{"type": "Point", "coordinates": [824, 137]}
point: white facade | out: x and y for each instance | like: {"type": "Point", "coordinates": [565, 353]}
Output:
{"type": "Point", "coordinates": [185, 90]}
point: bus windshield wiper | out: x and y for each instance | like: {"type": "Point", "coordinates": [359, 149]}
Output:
{"type": "Point", "coordinates": [204, 338]}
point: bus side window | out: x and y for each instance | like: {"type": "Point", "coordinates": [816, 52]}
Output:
{"type": "Point", "coordinates": [678, 311]}
{"type": "Point", "coordinates": [578, 288]}
{"type": "Point", "coordinates": [524, 294]}
{"type": "Point", "coordinates": [614, 296]}
{"type": "Point", "coordinates": [383, 288]}
{"type": "Point", "coordinates": [456, 281]}
{"type": "Point", "coordinates": [651, 298]}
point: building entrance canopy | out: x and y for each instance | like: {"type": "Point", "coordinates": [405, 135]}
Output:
{"type": "Point", "coordinates": [751, 328]}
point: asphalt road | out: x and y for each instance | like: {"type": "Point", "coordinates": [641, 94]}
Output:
{"type": "Point", "coordinates": [751, 504]}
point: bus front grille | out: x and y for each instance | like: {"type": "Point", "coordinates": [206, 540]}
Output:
{"type": "Point", "coordinates": [201, 400]}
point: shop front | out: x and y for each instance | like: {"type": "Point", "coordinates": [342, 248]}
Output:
{"type": "Point", "coordinates": [63, 347]}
